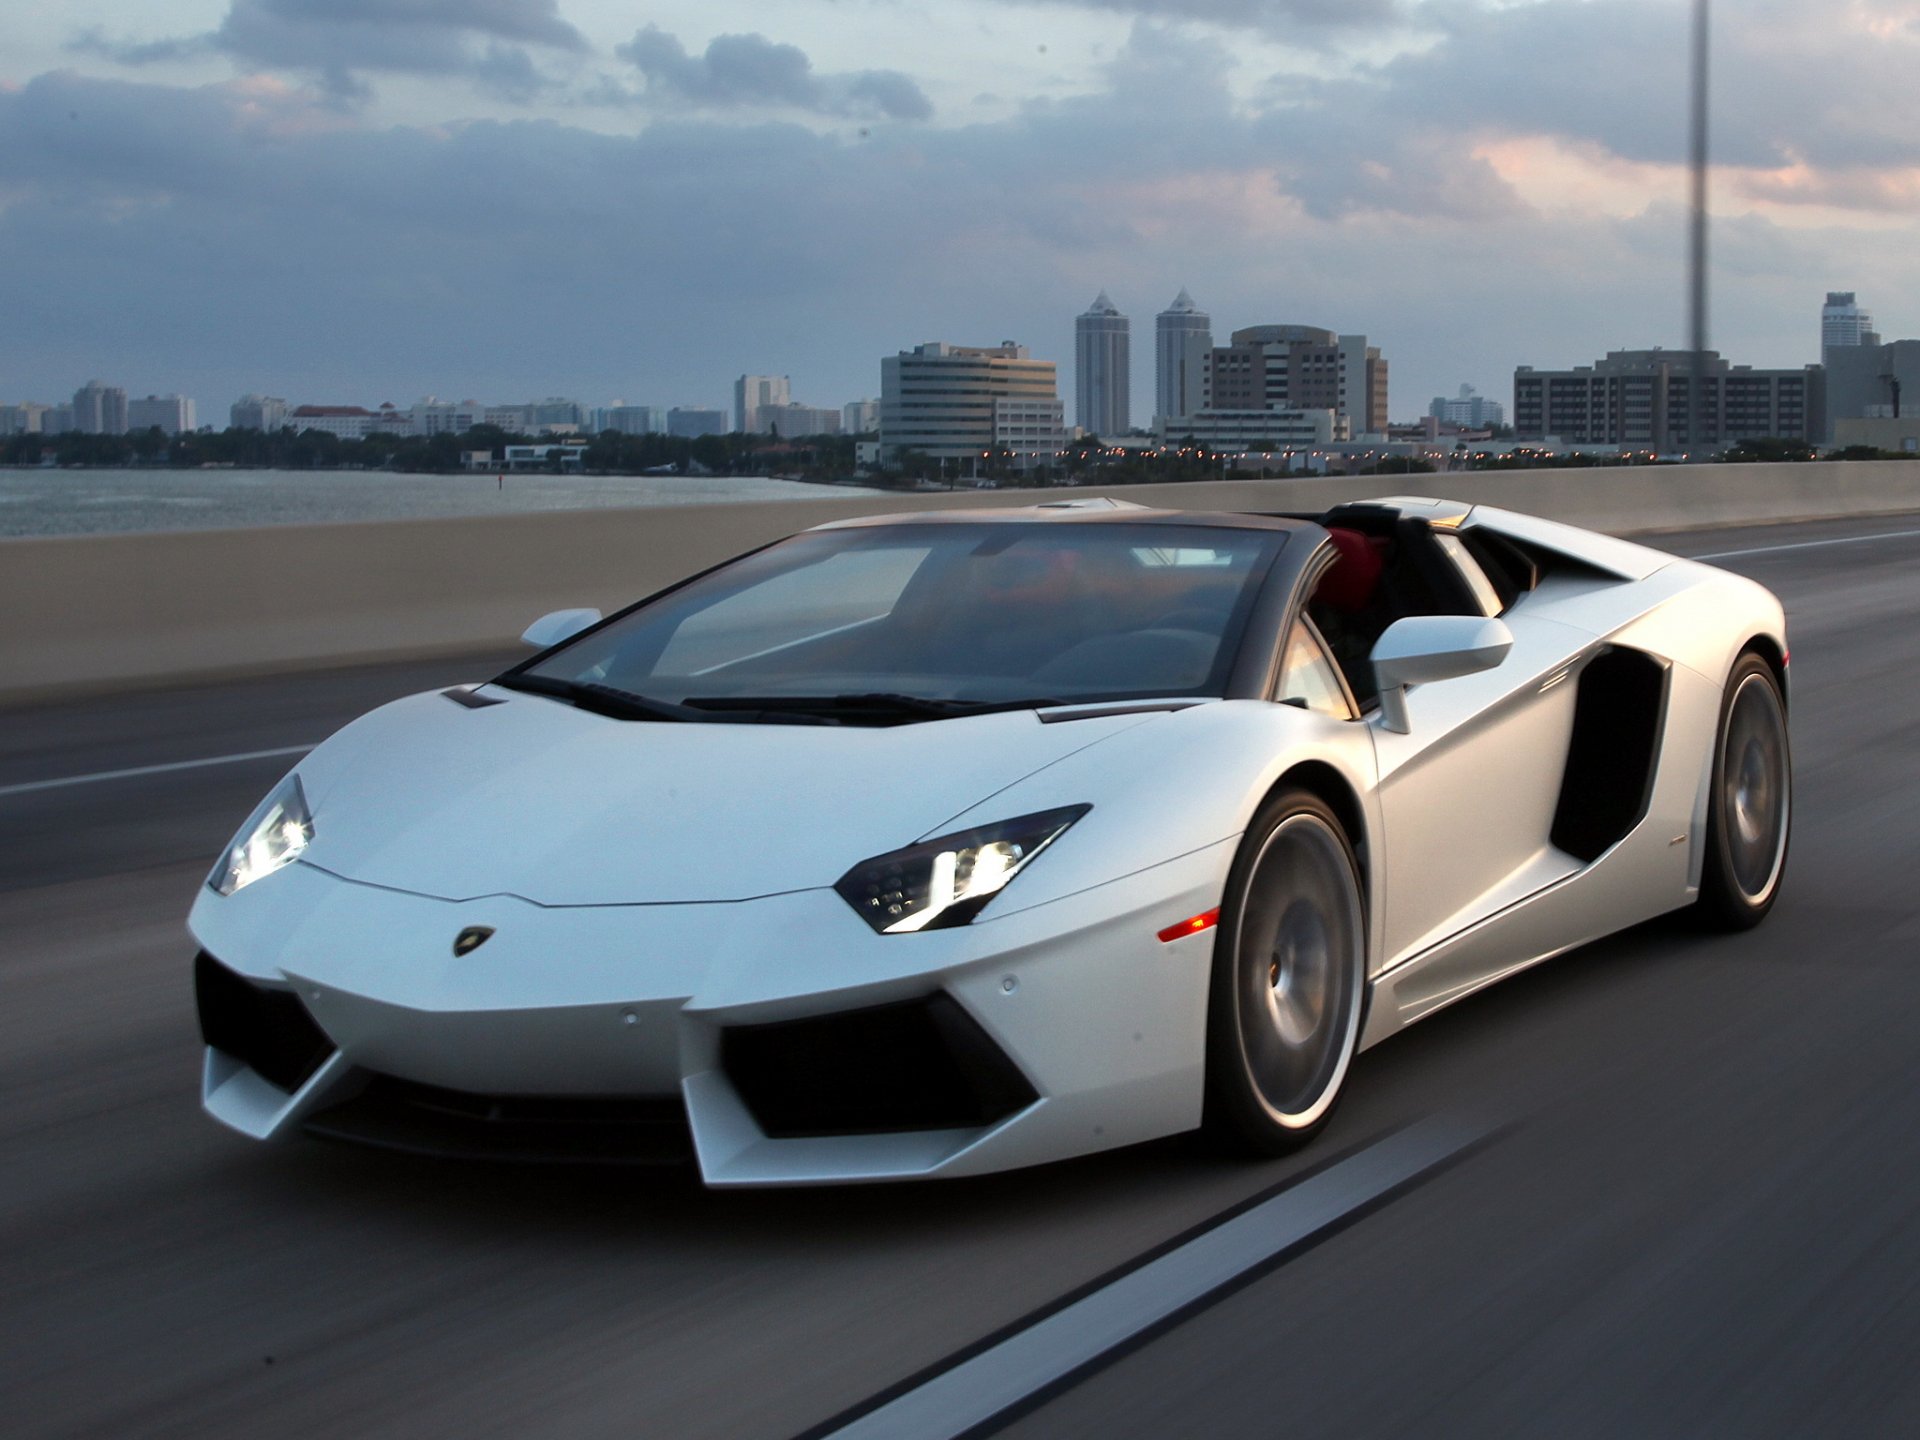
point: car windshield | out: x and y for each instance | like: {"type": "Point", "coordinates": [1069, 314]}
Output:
{"type": "Point", "coordinates": [914, 621]}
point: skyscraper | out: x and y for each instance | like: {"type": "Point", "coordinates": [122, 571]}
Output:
{"type": "Point", "coordinates": [1102, 368]}
{"type": "Point", "coordinates": [1183, 338]}
{"type": "Point", "coordinates": [752, 393]}
{"type": "Point", "coordinates": [1843, 322]}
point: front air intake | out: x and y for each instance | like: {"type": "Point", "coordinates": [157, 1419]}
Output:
{"type": "Point", "coordinates": [266, 1029]}
{"type": "Point", "coordinates": [921, 1064]}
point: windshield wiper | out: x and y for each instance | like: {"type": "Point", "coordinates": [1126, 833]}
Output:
{"type": "Point", "coordinates": [608, 700]}
{"type": "Point", "coordinates": [876, 707]}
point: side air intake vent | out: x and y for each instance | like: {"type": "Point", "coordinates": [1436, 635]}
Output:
{"type": "Point", "coordinates": [1610, 764]}
{"type": "Point", "coordinates": [921, 1065]}
{"type": "Point", "coordinates": [268, 1030]}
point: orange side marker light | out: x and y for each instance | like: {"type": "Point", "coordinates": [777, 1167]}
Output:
{"type": "Point", "coordinates": [1190, 927]}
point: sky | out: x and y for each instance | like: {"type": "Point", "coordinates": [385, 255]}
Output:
{"type": "Point", "coordinates": [354, 201]}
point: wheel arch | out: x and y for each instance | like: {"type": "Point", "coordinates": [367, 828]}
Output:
{"type": "Point", "coordinates": [1325, 782]}
{"type": "Point", "coordinates": [1771, 651]}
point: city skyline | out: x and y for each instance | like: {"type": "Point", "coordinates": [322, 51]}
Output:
{"type": "Point", "coordinates": [539, 195]}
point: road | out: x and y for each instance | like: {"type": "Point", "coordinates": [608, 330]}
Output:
{"type": "Point", "coordinates": [1703, 1217]}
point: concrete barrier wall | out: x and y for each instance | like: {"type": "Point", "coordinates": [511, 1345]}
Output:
{"type": "Point", "coordinates": [96, 613]}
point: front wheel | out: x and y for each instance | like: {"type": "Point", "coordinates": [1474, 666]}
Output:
{"type": "Point", "coordinates": [1750, 800]}
{"type": "Point", "coordinates": [1283, 1016]}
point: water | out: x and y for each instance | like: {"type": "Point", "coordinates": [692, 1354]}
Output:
{"type": "Point", "coordinates": [101, 502]}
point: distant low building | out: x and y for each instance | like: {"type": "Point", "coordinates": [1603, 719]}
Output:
{"type": "Point", "coordinates": [258, 412]}
{"type": "Point", "coordinates": [1643, 399]}
{"type": "Point", "coordinates": [860, 417]}
{"type": "Point", "coordinates": [1872, 382]}
{"type": "Point", "coordinates": [349, 422]}
{"type": "Point", "coordinates": [1469, 409]}
{"type": "Point", "coordinates": [1899, 435]}
{"type": "Point", "coordinates": [1256, 429]}
{"type": "Point", "coordinates": [792, 420]}
{"type": "Point", "coordinates": [432, 416]}
{"type": "Point", "coordinates": [635, 419]}
{"type": "Point", "coordinates": [24, 419]}
{"type": "Point", "coordinates": [691, 422]}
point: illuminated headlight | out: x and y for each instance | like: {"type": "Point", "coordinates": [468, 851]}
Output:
{"type": "Point", "coordinates": [273, 836]}
{"type": "Point", "coordinates": [945, 882]}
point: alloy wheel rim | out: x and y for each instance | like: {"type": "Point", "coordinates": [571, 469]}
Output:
{"type": "Point", "coordinates": [1754, 788]}
{"type": "Point", "coordinates": [1298, 952]}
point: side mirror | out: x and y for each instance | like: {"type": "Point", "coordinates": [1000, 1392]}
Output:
{"type": "Point", "coordinates": [1424, 648]}
{"type": "Point", "coordinates": [550, 630]}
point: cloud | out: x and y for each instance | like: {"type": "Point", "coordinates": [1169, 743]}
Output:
{"type": "Point", "coordinates": [1273, 16]}
{"type": "Point", "coordinates": [753, 72]}
{"type": "Point", "coordinates": [341, 40]}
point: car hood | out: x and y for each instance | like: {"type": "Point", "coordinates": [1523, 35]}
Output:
{"type": "Point", "coordinates": [559, 806]}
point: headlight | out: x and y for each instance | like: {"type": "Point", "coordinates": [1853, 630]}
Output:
{"type": "Point", "coordinates": [273, 836]}
{"type": "Point", "coordinates": [945, 882]}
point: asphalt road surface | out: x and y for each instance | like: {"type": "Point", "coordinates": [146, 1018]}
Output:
{"type": "Point", "coordinates": [1699, 1216]}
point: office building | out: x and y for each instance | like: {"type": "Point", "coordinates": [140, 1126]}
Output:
{"type": "Point", "coordinates": [1301, 367]}
{"type": "Point", "coordinates": [1643, 400]}
{"type": "Point", "coordinates": [172, 414]}
{"type": "Point", "coordinates": [860, 417]}
{"type": "Point", "coordinates": [1182, 340]}
{"type": "Point", "coordinates": [1102, 369]}
{"type": "Point", "coordinates": [1843, 323]}
{"type": "Point", "coordinates": [691, 422]}
{"type": "Point", "coordinates": [752, 394]}
{"type": "Point", "coordinates": [100, 409]}
{"type": "Point", "coordinates": [554, 413]}
{"type": "Point", "coordinates": [1469, 410]}
{"type": "Point", "coordinates": [258, 412]}
{"type": "Point", "coordinates": [962, 402]}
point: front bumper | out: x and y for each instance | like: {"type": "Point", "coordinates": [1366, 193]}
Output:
{"type": "Point", "coordinates": [1070, 1026]}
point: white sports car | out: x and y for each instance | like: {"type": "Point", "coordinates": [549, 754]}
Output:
{"type": "Point", "coordinates": [936, 844]}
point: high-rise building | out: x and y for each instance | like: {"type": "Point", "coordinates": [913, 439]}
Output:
{"type": "Point", "coordinates": [1470, 410]}
{"type": "Point", "coordinates": [753, 393]}
{"type": "Point", "coordinates": [258, 412]}
{"type": "Point", "coordinates": [58, 421]}
{"type": "Point", "coordinates": [1643, 399]}
{"type": "Point", "coordinates": [860, 417]}
{"type": "Point", "coordinates": [1182, 340]}
{"type": "Point", "coordinates": [173, 414]}
{"type": "Point", "coordinates": [1844, 323]}
{"type": "Point", "coordinates": [962, 402]}
{"type": "Point", "coordinates": [100, 409]}
{"type": "Point", "coordinates": [691, 422]}
{"type": "Point", "coordinates": [1102, 368]}
{"type": "Point", "coordinates": [1301, 367]}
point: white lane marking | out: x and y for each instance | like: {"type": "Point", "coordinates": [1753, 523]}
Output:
{"type": "Point", "coordinates": [1809, 545]}
{"type": "Point", "coordinates": [94, 779]}
{"type": "Point", "coordinates": [989, 1384]}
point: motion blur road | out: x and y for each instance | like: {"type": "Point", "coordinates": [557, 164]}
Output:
{"type": "Point", "coordinates": [1704, 1218]}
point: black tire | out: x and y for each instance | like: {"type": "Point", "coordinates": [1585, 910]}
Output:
{"type": "Point", "coordinates": [1289, 968]}
{"type": "Point", "coordinates": [1750, 801]}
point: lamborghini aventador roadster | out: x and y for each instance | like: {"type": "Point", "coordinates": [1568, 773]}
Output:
{"type": "Point", "coordinates": [941, 843]}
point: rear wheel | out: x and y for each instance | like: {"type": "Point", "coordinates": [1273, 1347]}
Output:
{"type": "Point", "coordinates": [1283, 1016]}
{"type": "Point", "coordinates": [1750, 804]}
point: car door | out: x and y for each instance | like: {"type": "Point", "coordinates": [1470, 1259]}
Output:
{"type": "Point", "coordinates": [1468, 792]}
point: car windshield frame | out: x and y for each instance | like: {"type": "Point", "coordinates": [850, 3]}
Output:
{"type": "Point", "coordinates": [901, 696]}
